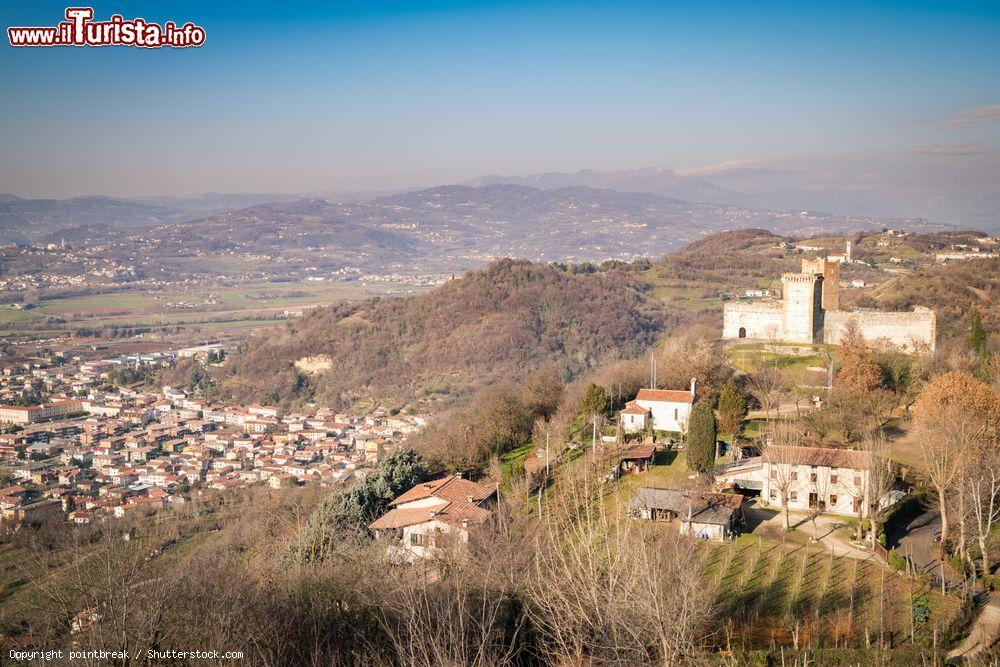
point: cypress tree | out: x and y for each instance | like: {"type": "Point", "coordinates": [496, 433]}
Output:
{"type": "Point", "coordinates": [701, 438]}
{"type": "Point", "coordinates": [732, 408]}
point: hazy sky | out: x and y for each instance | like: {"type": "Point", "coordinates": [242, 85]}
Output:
{"type": "Point", "coordinates": [374, 95]}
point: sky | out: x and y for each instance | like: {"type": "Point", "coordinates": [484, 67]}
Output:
{"type": "Point", "coordinates": [312, 97]}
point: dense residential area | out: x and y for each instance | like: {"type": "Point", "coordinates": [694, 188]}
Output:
{"type": "Point", "coordinates": [94, 451]}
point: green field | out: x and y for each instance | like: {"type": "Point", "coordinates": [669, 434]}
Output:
{"type": "Point", "coordinates": [776, 592]}
{"type": "Point", "coordinates": [202, 307]}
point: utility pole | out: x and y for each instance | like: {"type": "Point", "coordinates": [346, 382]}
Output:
{"type": "Point", "coordinates": [546, 453]}
{"type": "Point", "coordinates": [593, 441]}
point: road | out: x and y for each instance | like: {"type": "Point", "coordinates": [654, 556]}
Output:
{"type": "Point", "coordinates": [982, 635]}
{"type": "Point", "coordinates": [916, 540]}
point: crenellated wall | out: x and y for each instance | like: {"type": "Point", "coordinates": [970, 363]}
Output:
{"type": "Point", "coordinates": [762, 320]}
{"type": "Point", "coordinates": [800, 316]}
{"type": "Point", "coordinates": [907, 331]}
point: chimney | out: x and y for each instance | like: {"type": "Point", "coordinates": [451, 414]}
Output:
{"type": "Point", "coordinates": [694, 381]}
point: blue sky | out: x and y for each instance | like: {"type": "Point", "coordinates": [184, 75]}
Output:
{"type": "Point", "coordinates": [295, 98]}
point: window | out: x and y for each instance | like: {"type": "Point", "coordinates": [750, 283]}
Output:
{"type": "Point", "coordinates": [857, 481]}
{"type": "Point", "coordinates": [773, 495]}
{"type": "Point", "coordinates": [833, 479]}
{"type": "Point", "coordinates": [421, 539]}
{"type": "Point", "coordinates": [833, 498]}
{"type": "Point", "coordinates": [676, 414]}
{"type": "Point", "coordinates": [793, 496]}
{"type": "Point", "coordinates": [774, 474]}
{"type": "Point", "coordinates": [812, 477]}
{"type": "Point", "coordinates": [795, 476]}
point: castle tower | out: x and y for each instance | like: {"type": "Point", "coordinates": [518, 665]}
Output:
{"type": "Point", "coordinates": [802, 307]}
{"type": "Point", "coordinates": [831, 279]}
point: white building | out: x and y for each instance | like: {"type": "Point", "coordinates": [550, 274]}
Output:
{"type": "Point", "coordinates": [813, 478]}
{"type": "Point", "coordinates": [662, 409]}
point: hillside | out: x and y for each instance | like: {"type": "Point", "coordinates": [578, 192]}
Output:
{"type": "Point", "coordinates": [515, 315]}
{"type": "Point", "coordinates": [497, 322]}
{"type": "Point", "coordinates": [437, 231]}
{"type": "Point", "coordinates": [955, 291]}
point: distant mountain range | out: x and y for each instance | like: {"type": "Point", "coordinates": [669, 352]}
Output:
{"type": "Point", "coordinates": [446, 228]}
{"type": "Point", "coordinates": [586, 216]}
{"type": "Point", "coordinates": [952, 190]}
{"type": "Point", "coordinates": [658, 181]}
{"type": "Point", "coordinates": [458, 227]}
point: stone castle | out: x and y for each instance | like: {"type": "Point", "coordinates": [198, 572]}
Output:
{"type": "Point", "coordinates": [809, 312]}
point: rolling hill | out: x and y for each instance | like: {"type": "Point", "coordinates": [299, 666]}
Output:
{"type": "Point", "coordinates": [493, 323]}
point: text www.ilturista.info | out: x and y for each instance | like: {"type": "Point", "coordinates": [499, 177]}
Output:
{"type": "Point", "coordinates": [80, 30]}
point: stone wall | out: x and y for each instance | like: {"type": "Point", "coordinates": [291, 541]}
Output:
{"type": "Point", "coordinates": [907, 331]}
{"type": "Point", "coordinates": [760, 320]}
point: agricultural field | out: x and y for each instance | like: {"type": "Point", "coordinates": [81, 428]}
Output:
{"type": "Point", "coordinates": [224, 307]}
{"type": "Point", "coordinates": [802, 595]}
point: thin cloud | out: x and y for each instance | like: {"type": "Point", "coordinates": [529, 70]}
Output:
{"type": "Point", "coordinates": [988, 114]}
{"type": "Point", "coordinates": [950, 149]}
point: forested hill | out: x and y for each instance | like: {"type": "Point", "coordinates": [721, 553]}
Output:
{"type": "Point", "coordinates": [493, 323]}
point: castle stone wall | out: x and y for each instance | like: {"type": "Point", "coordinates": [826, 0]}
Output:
{"type": "Point", "coordinates": [762, 320]}
{"type": "Point", "coordinates": [906, 331]}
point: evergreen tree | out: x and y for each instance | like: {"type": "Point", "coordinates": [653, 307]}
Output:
{"type": "Point", "coordinates": [977, 335]}
{"type": "Point", "coordinates": [594, 402]}
{"type": "Point", "coordinates": [356, 507]}
{"type": "Point", "coordinates": [701, 438]}
{"type": "Point", "coordinates": [979, 342]}
{"type": "Point", "coordinates": [732, 408]}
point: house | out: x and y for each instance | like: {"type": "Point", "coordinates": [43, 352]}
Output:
{"type": "Point", "coordinates": [709, 516]}
{"type": "Point", "coordinates": [432, 516]}
{"type": "Point", "coordinates": [80, 517]}
{"type": "Point", "coordinates": [635, 418]}
{"type": "Point", "coordinates": [659, 409]}
{"type": "Point", "coordinates": [806, 478]}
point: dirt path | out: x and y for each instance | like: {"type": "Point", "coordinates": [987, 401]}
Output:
{"type": "Point", "coordinates": [985, 631]}
{"type": "Point", "coordinates": [824, 530]}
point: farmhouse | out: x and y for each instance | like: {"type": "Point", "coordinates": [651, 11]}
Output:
{"type": "Point", "coordinates": [659, 409]}
{"type": "Point", "coordinates": [806, 478]}
{"type": "Point", "coordinates": [710, 516]}
{"type": "Point", "coordinates": [433, 516]}
{"type": "Point", "coordinates": [809, 312]}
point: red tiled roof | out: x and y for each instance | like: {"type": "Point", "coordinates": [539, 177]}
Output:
{"type": "Point", "coordinates": [818, 456]}
{"type": "Point", "coordinates": [454, 513]}
{"type": "Point", "coordinates": [446, 488]}
{"type": "Point", "coordinates": [457, 502]}
{"type": "Point", "coordinates": [665, 395]}
{"type": "Point", "coordinates": [633, 408]}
